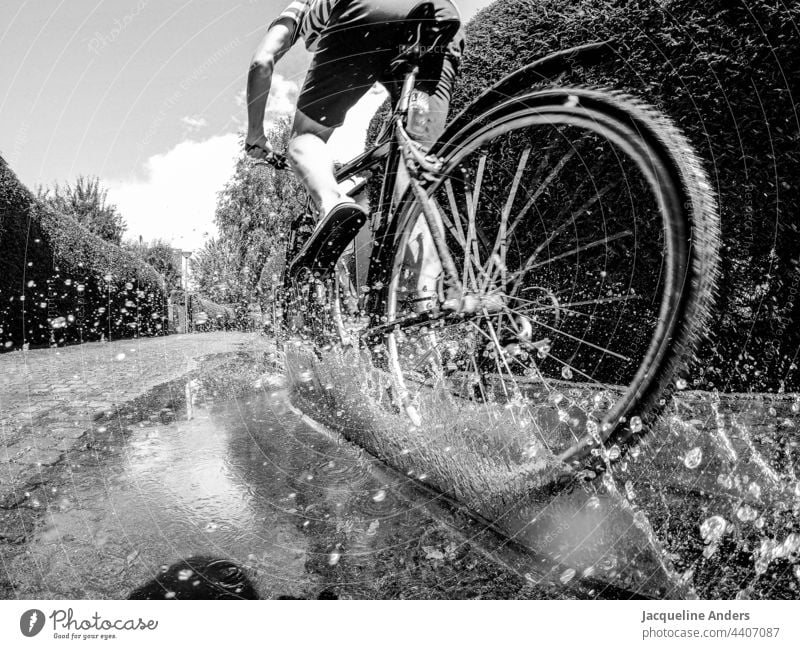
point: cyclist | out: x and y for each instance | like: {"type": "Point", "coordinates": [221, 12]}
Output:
{"type": "Point", "coordinates": [354, 43]}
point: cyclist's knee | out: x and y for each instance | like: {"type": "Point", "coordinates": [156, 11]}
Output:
{"type": "Point", "coordinates": [304, 125]}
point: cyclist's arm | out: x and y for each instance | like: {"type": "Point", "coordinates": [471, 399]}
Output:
{"type": "Point", "coordinates": [259, 80]}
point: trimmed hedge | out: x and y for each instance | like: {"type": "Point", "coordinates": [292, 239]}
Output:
{"type": "Point", "coordinates": [728, 73]}
{"type": "Point", "coordinates": [60, 284]}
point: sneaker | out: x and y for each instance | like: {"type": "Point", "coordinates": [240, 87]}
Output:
{"type": "Point", "coordinates": [330, 238]}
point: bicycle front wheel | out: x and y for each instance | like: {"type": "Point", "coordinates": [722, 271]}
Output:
{"type": "Point", "coordinates": [585, 236]}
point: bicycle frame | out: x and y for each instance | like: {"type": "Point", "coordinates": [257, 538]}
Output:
{"type": "Point", "coordinates": [394, 147]}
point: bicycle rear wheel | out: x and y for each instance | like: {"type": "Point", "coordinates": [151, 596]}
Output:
{"type": "Point", "coordinates": [585, 235]}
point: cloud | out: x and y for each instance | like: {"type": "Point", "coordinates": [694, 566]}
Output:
{"type": "Point", "coordinates": [282, 96]}
{"type": "Point", "coordinates": [193, 123]}
{"type": "Point", "coordinates": [282, 101]}
{"type": "Point", "coordinates": [177, 198]}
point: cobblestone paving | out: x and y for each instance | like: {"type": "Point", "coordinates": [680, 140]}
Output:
{"type": "Point", "coordinates": [50, 397]}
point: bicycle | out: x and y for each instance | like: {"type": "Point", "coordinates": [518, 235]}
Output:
{"type": "Point", "coordinates": [577, 240]}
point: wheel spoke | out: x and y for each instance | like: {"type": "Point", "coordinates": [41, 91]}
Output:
{"type": "Point", "coordinates": [580, 249]}
{"type": "Point", "coordinates": [451, 197]}
{"type": "Point", "coordinates": [575, 338]}
{"type": "Point", "coordinates": [572, 219]}
{"type": "Point", "coordinates": [472, 208]}
{"type": "Point", "coordinates": [541, 189]}
{"type": "Point", "coordinates": [501, 241]}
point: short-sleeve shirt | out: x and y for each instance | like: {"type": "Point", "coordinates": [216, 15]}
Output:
{"type": "Point", "coordinates": [309, 18]}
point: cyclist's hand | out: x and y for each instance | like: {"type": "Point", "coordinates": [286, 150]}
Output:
{"type": "Point", "coordinates": [258, 148]}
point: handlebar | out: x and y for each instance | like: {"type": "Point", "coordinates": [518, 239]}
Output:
{"type": "Point", "coordinates": [277, 160]}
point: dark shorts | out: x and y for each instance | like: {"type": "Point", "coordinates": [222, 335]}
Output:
{"type": "Point", "coordinates": [356, 49]}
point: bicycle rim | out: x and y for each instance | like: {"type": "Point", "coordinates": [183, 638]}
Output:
{"type": "Point", "coordinates": [570, 230]}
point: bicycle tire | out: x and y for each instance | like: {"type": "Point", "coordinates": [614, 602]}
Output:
{"type": "Point", "coordinates": [690, 227]}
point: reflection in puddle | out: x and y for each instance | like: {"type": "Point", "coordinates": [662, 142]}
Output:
{"type": "Point", "coordinates": [248, 480]}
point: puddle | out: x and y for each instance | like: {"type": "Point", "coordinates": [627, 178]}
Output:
{"type": "Point", "coordinates": [223, 464]}
{"type": "Point", "coordinates": [244, 478]}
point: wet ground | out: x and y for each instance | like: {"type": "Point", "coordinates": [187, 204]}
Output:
{"type": "Point", "coordinates": [222, 463]}
{"type": "Point", "coordinates": [707, 506]}
{"type": "Point", "coordinates": [215, 466]}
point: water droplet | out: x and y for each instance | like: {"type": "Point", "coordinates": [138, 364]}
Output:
{"type": "Point", "coordinates": [58, 323]}
{"type": "Point", "coordinates": [566, 373]}
{"type": "Point", "coordinates": [614, 452]}
{"type": "Point", "coordinates": [379, 496]}
{"type": "Point", "coordinates": [120, 356]}
{"type": "Point", "coordinates": [725, 480]}
{"type": "Point", "coordinates": [693, 458]}
{"type": "Point", "coordinates": [746, 513]}
{"type": "Point", "coordinates": [636, 424]}
{"type": "Point", "coordinates": [567, 576]}
{"type": "Point", "coordinates": [681, 384]}
{"type": "Point", "coordinates": [333, 558]}
{"type": "Point", "coordinates": [755, 490]}
{"type": "Point", "coordinates": [713, 528]}
{"type": "Point", "coordinates": [185, 574]}
{"type": "Point", "coordinates": [593, 502]}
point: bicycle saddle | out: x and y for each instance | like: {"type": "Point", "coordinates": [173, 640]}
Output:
{"type": "Point", "coordinates": [426, 33]}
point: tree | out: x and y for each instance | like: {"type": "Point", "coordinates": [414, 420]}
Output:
{"type": "Point", "coordinates": [86, 202]}
{"type": "Point", "coordinates": [161, 256]}
{"type": "Point", "coordinates": [214, 272]}
{"type": "Point", "coordinates": [253, 214]}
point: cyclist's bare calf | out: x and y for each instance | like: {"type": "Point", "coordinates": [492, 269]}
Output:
{"type": "Point", "coordinates": [311, 161]}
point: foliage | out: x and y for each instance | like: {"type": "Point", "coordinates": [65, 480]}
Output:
{"type": "Point", "coordinates": [253, 213]}
{"type": "Point", "coordinates": [722, 70]}
{"type": "Point", "coordinates": [86, 203]}
{"type": "Point", "coordinates": [162, 257]}
{"type": "Point", "coordinates": [206, 315]}
{"type": "Point", "coordinates": [215, 272]}
{"type": "Point", "coordinates": [60, 283]}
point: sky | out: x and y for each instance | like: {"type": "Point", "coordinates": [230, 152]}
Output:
{"type": "Point", "coordinates": [149, 96]}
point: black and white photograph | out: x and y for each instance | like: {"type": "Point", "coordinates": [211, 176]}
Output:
{"type": "Point", "coordinates": [461, 300]}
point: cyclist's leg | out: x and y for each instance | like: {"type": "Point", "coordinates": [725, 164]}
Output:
{"type": "Point", "coordinates": [436, 79]}
{"type": "Point", "coordinates": [351, 53]}
{"type": "Point", "coordinates": [312, 162]}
